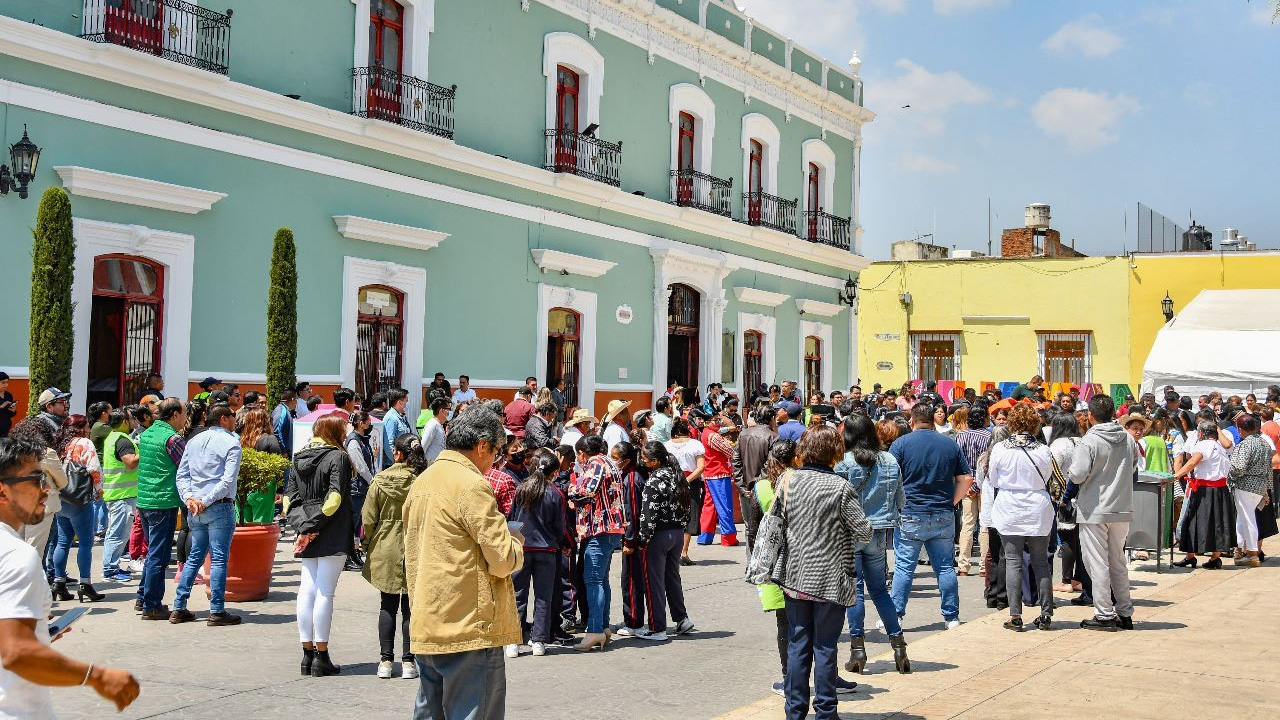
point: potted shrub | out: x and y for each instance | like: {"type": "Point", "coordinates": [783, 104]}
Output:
{"type": "Point", "coordinates": [253, 547]}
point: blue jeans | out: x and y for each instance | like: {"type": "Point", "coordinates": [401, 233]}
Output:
{"type": "Point", "coordinates": [936, 534]}
{"type": "Point", "coordinates": [469, 685]}
{"type": "Point", "coordinates": [74, 522]}
{"type": "Point", "coordinates": [158, 525]}
{"type": "Point", "coordinates": [874, 572]}
{"type": "Point", "coordinates": [119, 523]}
{"type": "Point", "coordinates": [99, 516]}
{"type": "Point", "coordinates": [211, 533]}
{"type": "Point", "coordinates": [598, 554]}
{"type": "Point", "coordinates": [815, 631]}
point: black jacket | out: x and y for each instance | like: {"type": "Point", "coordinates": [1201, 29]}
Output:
{"type": "Point", "coordinates": [632, 496]}
{"type": "Point", "coordinates": [544, 525]}
{"type": "Point", "coordinates": [317, 471]}
{"type": "Point", "coordinates": [749, 457]}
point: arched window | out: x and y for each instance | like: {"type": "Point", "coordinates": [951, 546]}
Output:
{"type": "Point", "coordinates": [564, 352]}
{"type": "Point", "coordinates": [813, 198]}
{"type": "Point", "coordinates": [755, 181]}
{"type": "Point", "coordinates": [752, 361]}
{"type": "Point", "coordinates": [125, 331]}
{"type": "Point", "coordinates": [379, 339]}
{"type": "Point", "coordinates": [812, 364]}
{"type": "Point", "coordinates": [386, 46]}
{"type": "Point", "coordinates": [683, 326]}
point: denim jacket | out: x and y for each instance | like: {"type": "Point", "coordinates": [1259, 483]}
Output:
{"type": "Point", "coordinates": [881, 492]}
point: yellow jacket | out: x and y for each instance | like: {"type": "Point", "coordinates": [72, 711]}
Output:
{"type": "Point", "coordinates": [459, 558]}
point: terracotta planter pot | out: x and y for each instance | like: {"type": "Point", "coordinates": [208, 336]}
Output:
{"type": "Point", "coordinates": [253, 553]}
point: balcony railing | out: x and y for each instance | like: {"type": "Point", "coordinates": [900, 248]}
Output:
{"type": "Point", "coordinates": [694, 189]}
{"type": "Point", "coordinates": [765, 210]}
{"type": "Point", "coordinates": [387, 95]}
{"type": "Point", "coordinates": [569, 151]}
{"type": "Point", "coordinates": [171, 29]}
{"type": "Point", "coordinates": [820, 227]}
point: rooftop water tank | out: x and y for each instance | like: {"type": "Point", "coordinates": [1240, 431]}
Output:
{"type": "Point", "coordinates": [1038, 216]}
{"type": "Point", "coordinates": [1230, 238]}
{"type": "Point", "coordinates": [1197, 238]}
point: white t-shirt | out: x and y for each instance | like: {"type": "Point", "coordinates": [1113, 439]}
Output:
{"type": "Point", "coordinates": [24, 595]}
{"type": "Point", "coordinates": [461, 396]}
{"type": "Point", "coordinates": [572, 435]}
{"type": "Point", "coordinates": [687, 453]}
{"type": "Point", "coordinates": [614, 434]}
{"type": "Point", "coordinates": [1215, 463]}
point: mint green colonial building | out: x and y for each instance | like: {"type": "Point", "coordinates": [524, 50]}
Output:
{"type": "Point", "coordinates": [620, 193]}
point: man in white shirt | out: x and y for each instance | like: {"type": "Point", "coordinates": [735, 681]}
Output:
{"type": "Point", "coordinates": [433, 433]}
{"type": "Point", "coordinates": [30, 665]}
{"type": "Point", "coordinates": [616, 420]}
{"type": "Point", "coordinates": [578, 425]}
{"type": "Point", "coordinates": [464, 393]}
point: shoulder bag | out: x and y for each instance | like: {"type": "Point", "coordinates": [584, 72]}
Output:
{"type": "Point", "coordinates": [304, 514]}
{"type": "Point", "coordinates": [79, 489]}
{"type": "Point", "coordinates": [770, 540]}
{"type": "Point", "coordinates": [1056, 486]}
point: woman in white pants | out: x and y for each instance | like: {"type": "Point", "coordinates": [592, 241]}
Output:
{"type": "Point", "coordinates": [322, 473]}
{"type": "Point", "coordinates": [1250, 475]}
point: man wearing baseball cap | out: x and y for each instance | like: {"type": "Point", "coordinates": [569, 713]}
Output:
{"type": "Point", "coordinates": [207, 386]}
{"type": "Point", "coordinates": [54, 405]}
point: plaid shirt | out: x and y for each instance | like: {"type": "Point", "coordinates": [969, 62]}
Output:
{"type": "Point", "coordinates": [596, 492]}
{"type": "Point", "coordinates": [504, 488]}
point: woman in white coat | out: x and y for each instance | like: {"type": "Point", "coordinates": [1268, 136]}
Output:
{"type": "Point", "coordinates": [1022, 512]}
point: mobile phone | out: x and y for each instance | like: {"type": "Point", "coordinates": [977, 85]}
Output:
{"type": "Point", "coordinates": [65, 620]}
{"type": "Point", "coordinates": [514, 526]}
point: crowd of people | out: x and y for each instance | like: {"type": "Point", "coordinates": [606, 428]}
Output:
{"type": "Point", "coordinates": [490, 526]}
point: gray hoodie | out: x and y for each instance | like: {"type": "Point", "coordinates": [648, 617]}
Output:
{"type": "Point", "coordinates": [1103, 468]}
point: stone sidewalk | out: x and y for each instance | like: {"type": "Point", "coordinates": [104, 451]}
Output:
{"type": "Point", "coordinates": [1205, 645]}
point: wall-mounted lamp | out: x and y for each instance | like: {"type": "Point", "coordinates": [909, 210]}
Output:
{"type": "Point", "coordinates": [849, 296]}
{"type": "Point", "coordinates": [1166, 307]}
{"type": "Point", "coordinates": [24, 155]}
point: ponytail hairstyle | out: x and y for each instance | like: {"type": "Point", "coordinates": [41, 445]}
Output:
{"type": "Point", "coordinates": [655, 450]}
{"type": "Point", "coordinates": [410, 448]}
{"type": "Point", "coordinates": [544, 465]}
{"type": "Point", "coordinates": [627, 451]}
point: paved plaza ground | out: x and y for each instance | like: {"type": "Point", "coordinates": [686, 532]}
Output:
{"type": "Point", "coordinates": [1205, 641]}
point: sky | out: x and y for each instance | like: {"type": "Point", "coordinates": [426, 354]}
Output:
{"type": "Point", "coordinates": [1088, 106]}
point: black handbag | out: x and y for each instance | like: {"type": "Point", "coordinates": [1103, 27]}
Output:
{"type": "Point", "coordinates": [305, 516]}
{"type": "Point", "coordinates": [79, 490]}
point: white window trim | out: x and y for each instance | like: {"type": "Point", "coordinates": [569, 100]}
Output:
{"type": "Point", "coordinates": [705, 272]}
{"type": "Point", "coordinates": [823, 332]}
{"type": "Point", "coordinates": [564, 48]}
{"type": "Point", "coordinates": [760, 128]}
{"type": "Point", "coordinates": [766, 325]}
{"type": "Point", "coordinates": [819, 153]}
{"type": "Point", "coordinates": [691, 99]}
{"type": "Point", "coordinates": [419, 22]}
{"type": "Point", "coordinates": [412, 281]}
{"type": "Point", "coordinates": [583, 302]}
{"type": "Point", "coordinates": [130, 190]}
{"type": "Point", "coordinates": [174, 251]}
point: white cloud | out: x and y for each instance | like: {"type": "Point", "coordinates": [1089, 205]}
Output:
{"type": "Point", "coordinates": [930, 95]}
{"type": "Point", "coordinates": [828, 24]}
{"type": "Point", "coordinates": [921, 163]}
{"type": "Point", "coordinates": [1083, 119]}
{"type": "Point", "coordinates": [1087, 37]}
{"type": "Point", "coordinates": [1263, 13]}
{"type": "Point", "coordinates": [962, 7]}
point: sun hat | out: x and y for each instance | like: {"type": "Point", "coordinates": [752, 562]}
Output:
{"type": "Point", "coordinates": [615, 407]}
{"type": "Point", "coordinates": [579, 416]}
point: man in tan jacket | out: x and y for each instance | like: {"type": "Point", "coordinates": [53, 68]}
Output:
{"type": "Point", "coordinates": [459, 557]}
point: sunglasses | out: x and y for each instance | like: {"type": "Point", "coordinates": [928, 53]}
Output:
{"type": "Point", "coordinates": [38, 477]}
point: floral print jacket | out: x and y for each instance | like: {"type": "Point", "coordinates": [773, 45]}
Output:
{"type": "Point", "coordinates": [596, 492]}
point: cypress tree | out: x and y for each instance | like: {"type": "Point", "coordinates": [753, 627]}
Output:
{"type": "Point", "coordinates": [52, 271]}
{"type": "Point", "coordinates": [282, 317]}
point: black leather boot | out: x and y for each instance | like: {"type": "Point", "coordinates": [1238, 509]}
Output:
{"type": "Point", "coordinates": [308, 655]}
{"type": "Point", "coordinates": [857, 655]}
{"type": "Point", "coordinates": [86, 591]}
{"type": "Point", "coordinates": [900, 659]}
{"type": "Point", "coordinates": [60, 590]}
{"type": "Point", "coordinates": [322, 665]}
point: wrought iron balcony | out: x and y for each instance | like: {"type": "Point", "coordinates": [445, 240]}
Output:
{"type": "Point", "coordinates": [820, 227]}
{"type": "Point", "coordinates": [765, 210]}
{"type": "Point", "coordinates": [694, 189]}
{"type": "Point", "coordinates": [569, 151]}
{"type": "Point", "coordinates": [387, 95]}
{"type": "Point", "coordinates": [172, 29]}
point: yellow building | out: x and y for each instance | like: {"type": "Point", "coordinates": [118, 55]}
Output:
{"type": "Point", "coordinates": [1002, 320]}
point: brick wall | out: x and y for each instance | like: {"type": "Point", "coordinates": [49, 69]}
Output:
{"type": "Point", "coordinates": [1021, 242]}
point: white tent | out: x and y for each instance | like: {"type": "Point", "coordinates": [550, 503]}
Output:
{"type": "Point", "coordinates": [1226, 340]}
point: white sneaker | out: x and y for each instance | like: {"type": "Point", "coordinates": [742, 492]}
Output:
{"type": "Point", "coordinates": [685, 626]}
{"type": "Point", "coordinates": [539, 649]}
{"type": "Point", "coordinates": [384, 669]}
{"type": "Point", "coordinates": [408, 670]}
{"type": "Point", "coordinates": [624, 631]}
{"type": "Point", "coordinates": [953, 624]}
{"type": "Point", "coordinates": [511, 651]}
{"type": "Point", "coordinates": [135, 566]}
{"type": "Point", "coordinates": [641, 632]}
{"type": "Point", "coordinates": [880, 625]}
{"type": "Point", "coordinates": [654, 636]}
{"type": "Point", "coordinates": [779, 689]}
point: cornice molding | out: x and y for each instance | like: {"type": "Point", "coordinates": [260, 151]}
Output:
{"type": "Point", "coordinates": [130, 68]}
{"type": "Point", "coordinates": [755, 296]}
{"type": "Point", "coordinates": [113, 187]}
{"type": "Point", "coordinates": [817, 307]}
{"type": "Point", "coordinates": [556, 261]}
{"type": "Point", "coordinates": [359, 228]}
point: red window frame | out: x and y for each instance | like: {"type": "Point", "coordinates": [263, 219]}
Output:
{"type": "Point", "coordinates": [755, 181]}
{"type": "Point", "coordinates": [568, 88]}
{"type": "Point", "coordinates": [815, 174]}
{"type": "Point", "coordinates": [154, 298]}
{"type": "Point", "coordinates": [686, 136]}
{"type": "Point", "coordinates": [378, 319]}
{"type": "Point", "coordinates": [752, 360]}
{"type": "Point", "coordinates": [812, 365]}
{"type": "Point", "coordinates": [125, 24]}
{"type": "Point", "coordinates": [556, 342]}
{"type": "Point", "coordinates": [684, 318]}
{"type": "Point", "coordinates": [384, 91]}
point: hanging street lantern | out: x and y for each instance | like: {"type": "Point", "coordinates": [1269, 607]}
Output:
{"type": "Point", "coordinates": [24, 155]}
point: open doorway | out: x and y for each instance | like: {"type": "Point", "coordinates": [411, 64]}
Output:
{"type": "Point", "coordinates": [125, 327]}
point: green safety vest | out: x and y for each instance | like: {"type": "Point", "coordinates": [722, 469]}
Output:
{"type": "Point", "coordinates": [157, 472]}
{"type": "Point", "coordinates": [118, 481]}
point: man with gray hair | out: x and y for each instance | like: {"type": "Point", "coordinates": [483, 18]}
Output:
{"type": "Point", "coordinates": [456, 542]}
